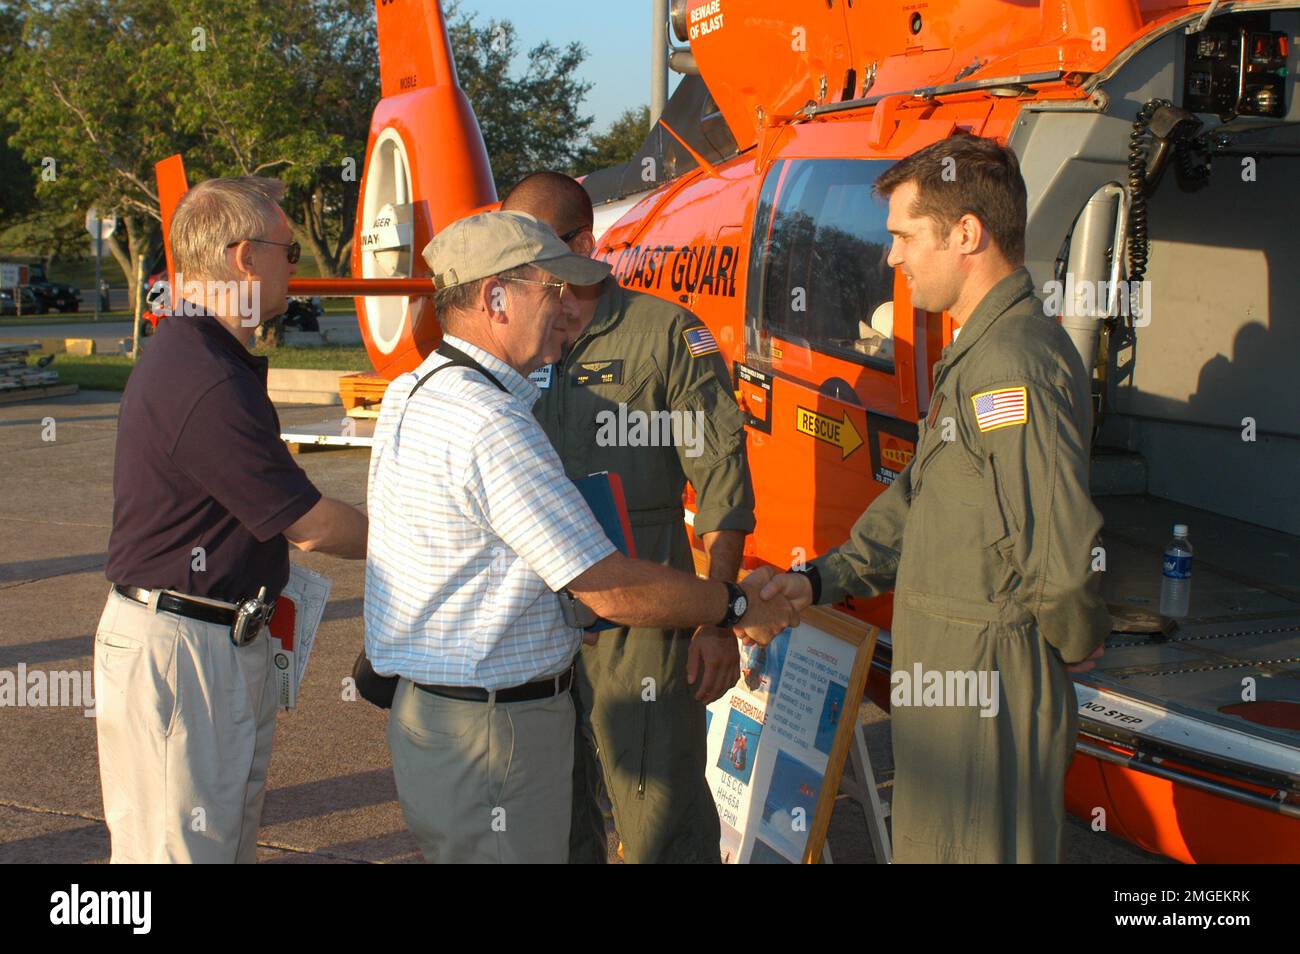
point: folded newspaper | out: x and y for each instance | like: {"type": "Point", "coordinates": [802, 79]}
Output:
{"type": "Point", "coordinates": [298, 613]}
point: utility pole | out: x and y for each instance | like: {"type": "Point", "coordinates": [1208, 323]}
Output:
{"type": "Point", "coordinates": [99, 230]}
{"type": "Point", "coordinates": [658, 61]}
{"type": "Point", "coordinates": [139, 307]}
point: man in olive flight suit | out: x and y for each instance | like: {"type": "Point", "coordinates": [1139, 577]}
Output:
{"type": "Point", "coordinates": [986, 537]}
{"type": "Point", "coordinates": [643, 392]}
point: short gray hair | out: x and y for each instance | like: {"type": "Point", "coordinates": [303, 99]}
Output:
{"type": "Point", "coordinates": [451, 302]}
{"type": "Point", "coordinates": [217, 212]}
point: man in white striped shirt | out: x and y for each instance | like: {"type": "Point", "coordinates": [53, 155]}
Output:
{"type": "Point", "coordinates": [474, 530]}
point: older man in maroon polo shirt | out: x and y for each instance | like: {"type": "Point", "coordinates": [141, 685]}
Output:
{"type": "Point", "coordinates": [206, 500]}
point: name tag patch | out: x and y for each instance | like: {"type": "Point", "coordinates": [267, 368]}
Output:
{"type": "Point", "coordinates": [597, 372]}
{"type": "Point", "coordinates": [935, 403]}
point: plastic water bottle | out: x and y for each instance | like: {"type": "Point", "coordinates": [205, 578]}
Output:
{"type": "Point", "coordinates": [1176, 583]}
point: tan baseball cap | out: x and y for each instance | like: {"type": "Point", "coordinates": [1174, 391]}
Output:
{"type": "Point", "coordinates": [493, 242]}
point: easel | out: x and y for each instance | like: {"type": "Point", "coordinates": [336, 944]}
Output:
{"type": "Point", "coordinates": [851, 744]}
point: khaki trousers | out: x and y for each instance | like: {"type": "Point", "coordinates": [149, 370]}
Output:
{"type": "Point", "coordinates": [185, 724]}
{"type": "Point", "coordinates": [482, 782]}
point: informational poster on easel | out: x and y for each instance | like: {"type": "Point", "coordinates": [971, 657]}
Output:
{"type": "Point", "coordinates": [779, 739]}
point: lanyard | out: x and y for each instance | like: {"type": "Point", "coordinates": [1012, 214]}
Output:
{"type": "Point", "coordinates": [459, 359]}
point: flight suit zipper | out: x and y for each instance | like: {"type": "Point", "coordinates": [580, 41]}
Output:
{"type": "Point", "coordinates": [645, 751]}
{"type": "Point", "coordinates": [561, 369]}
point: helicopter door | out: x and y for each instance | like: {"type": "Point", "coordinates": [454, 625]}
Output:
{"type": "Point", "coordinates": [820, 385]}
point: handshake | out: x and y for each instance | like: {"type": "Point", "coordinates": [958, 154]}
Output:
{"type": "Point", "coordinates": [775, 602]}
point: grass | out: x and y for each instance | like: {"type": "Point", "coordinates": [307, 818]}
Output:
{"type": "Point", "coordinates": [96, 372]}
{"type": "Point", "coordinates": [326, 358]}
{"type": "Point", "coordinates": [108, 372]}
{"type": "Point", "coordinates": [65, 318]}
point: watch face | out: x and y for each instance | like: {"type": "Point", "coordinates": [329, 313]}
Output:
{"type": "Point", "coordinates": [740, 606]}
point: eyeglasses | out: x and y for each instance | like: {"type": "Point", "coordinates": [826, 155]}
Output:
{"type": "Point", "coordinates": [294, 253]}
{"type": "Point", "coordinates": [562, 286]}
{"type": "Point", "coordinates": [572, 234]}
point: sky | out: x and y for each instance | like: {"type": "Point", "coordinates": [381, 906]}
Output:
{"type": "Point", "coordinates": [616, 34]}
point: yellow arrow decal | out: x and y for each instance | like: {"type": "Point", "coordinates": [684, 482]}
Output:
{"type": "Point", "coordinates": [841, 433]}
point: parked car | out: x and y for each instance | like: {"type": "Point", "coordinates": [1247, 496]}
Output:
{"type": "Point", "coordinates": [32, 303]}
{"type": "Point", "coordinates": [303, 314]}
{"type": "Point", "coordinates": [54, 295]}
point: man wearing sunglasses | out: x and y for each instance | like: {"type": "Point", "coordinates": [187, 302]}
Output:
{"type": "Point", "coordinates": [631, 349]}
{"type": "Point", "coordinates": [206, 500]}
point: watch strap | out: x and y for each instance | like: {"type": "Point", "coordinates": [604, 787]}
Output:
{"type": "Point", "coordinates": [734, 593]}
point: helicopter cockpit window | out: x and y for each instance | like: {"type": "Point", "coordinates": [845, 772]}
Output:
{"type": "Point", "coordinates": [819, 279]}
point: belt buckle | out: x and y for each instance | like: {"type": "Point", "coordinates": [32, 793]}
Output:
{"type": "Point", "coordinates": [250, 617]}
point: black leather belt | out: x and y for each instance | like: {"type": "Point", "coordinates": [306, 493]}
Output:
{"type": "Point", "coordinates": [180, 605]}
{"type": "Point", "coordinates": [538, 689]}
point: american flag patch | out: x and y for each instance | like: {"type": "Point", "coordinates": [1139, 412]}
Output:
{"type": "Point", "coordinates": [1000, 408]}
{"type": "Point", "coordinates": [700, 341]}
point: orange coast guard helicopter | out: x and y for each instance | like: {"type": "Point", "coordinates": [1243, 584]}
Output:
{"type": "Point", "coordinates": [1160, 143]}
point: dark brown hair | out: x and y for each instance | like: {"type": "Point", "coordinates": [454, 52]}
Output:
{"type": "Point", "coordinates": [983, 179]}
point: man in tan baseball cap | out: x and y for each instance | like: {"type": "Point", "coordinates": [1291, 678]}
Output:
{"type": "Point", "coordinates": [479, 545]}
{"type": "Point", "coordinates": [475, 259]}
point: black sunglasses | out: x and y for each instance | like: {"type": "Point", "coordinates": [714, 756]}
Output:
{"type": "Point", "coordinates": [294, 253]}
{"type": "Point", "coordinates": [569, 236]}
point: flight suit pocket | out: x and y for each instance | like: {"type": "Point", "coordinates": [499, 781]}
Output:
{"type": "Point", "coordinates": [715, 429]}
{"type": "Point", "coordinates": [639, 379]}
{"type": "Point", "coordinates": [997, 528]}
{"type": "Point", "coordinates": [924, 458]}
{"type": "Point", "coordinates": [942, 676]}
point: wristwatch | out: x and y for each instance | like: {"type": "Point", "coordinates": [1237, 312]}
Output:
{"type": "Point", "coordinates": [737, 604]}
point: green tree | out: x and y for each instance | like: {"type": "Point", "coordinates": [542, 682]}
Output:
{"type": "Point", "coordinates": [106, 88]}
{"type": "Point", "coordinates": [79, 93]}
{"type": "Point", "coordinates": [620, 142]}
{"type": "Point", "coordinates": [17, 183]}
{"type": "Point", "coordinates": [529, 121]}
{"type": "Point", "coordinates": [284, 90]}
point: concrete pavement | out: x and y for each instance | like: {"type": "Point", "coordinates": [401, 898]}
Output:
{"type": "Point", "coordinates": [331, 797]}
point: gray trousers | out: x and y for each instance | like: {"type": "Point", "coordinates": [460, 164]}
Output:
{"type": "Point", "coordinates": [185, 722]}
{"type": "Point", "coordinates": [484, 782]}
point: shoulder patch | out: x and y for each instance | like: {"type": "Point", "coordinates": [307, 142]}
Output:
{"type": "Point", "coordinates": [699, 341]}
{"type": "Point", "coordinates": [1002, 407]}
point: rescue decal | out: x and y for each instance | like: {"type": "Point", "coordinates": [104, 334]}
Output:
{"type": "Point", "coordinates": [822, 427]}
{"type": "Point", "coordinates": [691, 269]}
{"type": "Point", "coordinates": [597, 372]}
{"type": "Point", "coordinates": [1003, 407]}
{"type": "Point", "coordinates": [699, 341]}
